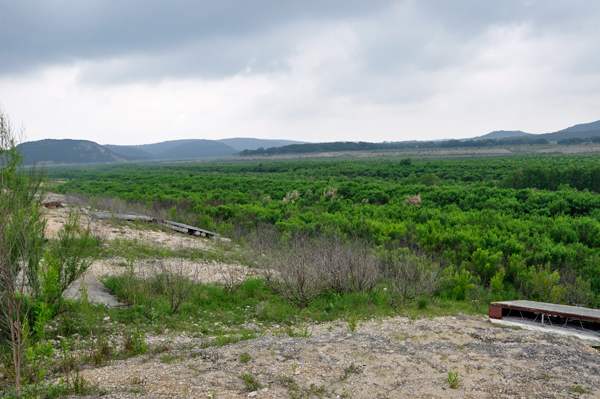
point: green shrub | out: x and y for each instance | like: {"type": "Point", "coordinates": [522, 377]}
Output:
{"type": "Point", "coordinates": [134, 342]}
{"type": "Point", "coordinates": [453, 379]}
{"type": "Point", "coordinates": [462, 285]}
{"type": "Point", "coordinates": [251, 383]}
{"type": "Point", "coordinates": [245, 357]}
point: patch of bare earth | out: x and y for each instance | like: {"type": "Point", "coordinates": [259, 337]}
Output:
{"type": "Point", "coordinates": [572, 149]}
{"type": "Point", "coordinates": [201, 270]}
{"type": "Point", "coordinates": [390, 358]}
{"type": "Point", "coordinates": [375, 154]}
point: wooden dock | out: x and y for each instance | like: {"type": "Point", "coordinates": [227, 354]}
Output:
{"type": "Point", "coordinates": [180, 227]}
{"type": "Point", "coordinates": [498, 309]}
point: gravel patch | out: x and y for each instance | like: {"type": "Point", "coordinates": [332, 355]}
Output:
{"type": "Point", "coordinates": [390, 358]}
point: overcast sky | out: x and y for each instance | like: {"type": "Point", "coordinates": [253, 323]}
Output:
{"type": "Point", "coordinates": [143, 71]}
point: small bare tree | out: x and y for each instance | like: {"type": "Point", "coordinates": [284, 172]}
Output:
{"type": "Point", "coordinates": [21, 241]}
{"type": "Point", "coordinates": [292, 270]}
{"type": "Point", "coordinates": [232, 277]}
{"type": "Point", "coordinates": [301, 268]}
{"type": "Point", "coordinates": [347, 267]}
{"type": "Point", "coordinates": [409, 275]}
{"type": "Point", "coordinates": [175, 281]}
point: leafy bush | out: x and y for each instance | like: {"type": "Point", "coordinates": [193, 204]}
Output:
{"type": "Point", "coordinates": [66, 259]}
{"type": "Point", "coordinates": [245, 357]}
{"type": "Point", "coordinates": [462, 284]}
{"type": "Point", "coordinates": [453, 379]}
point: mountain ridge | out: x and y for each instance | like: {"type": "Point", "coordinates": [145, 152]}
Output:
{"type": "Point", "coordinates": [502, 134]}
{"type": "Point", "coordinates": [248, 143]}
{"type": "Point", "coordinates": [72, 151]}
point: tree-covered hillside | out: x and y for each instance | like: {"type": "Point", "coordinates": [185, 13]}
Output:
{"type": "Point", "coordinates": [67, 152]}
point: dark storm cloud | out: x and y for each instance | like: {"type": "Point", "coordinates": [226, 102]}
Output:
{"type": "Point", "coordinates": [137, 40]}
{"type": "Point", "coordinates": [214, 37]}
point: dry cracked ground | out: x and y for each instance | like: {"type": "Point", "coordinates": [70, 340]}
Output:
{"type": "Point", "coordinates": [382, 358]}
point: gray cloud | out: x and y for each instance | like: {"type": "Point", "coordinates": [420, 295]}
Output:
{"type": "Point", "coordinates": [119, 41]}
{"type": "Point", "coordinates": [39, 33]}
{"type": "Point", "coordinates": [300, 66]}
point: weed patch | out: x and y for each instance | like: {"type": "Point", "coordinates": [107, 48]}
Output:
{"type": "Point", "coordinates": [251, 384]}
{"type": "Point", "coordinates": [453, 379]}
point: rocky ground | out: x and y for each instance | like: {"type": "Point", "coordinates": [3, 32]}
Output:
{"type": "Point", "coordinates": [390, 358]}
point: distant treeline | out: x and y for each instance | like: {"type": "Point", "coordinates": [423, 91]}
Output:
{"type": "Point", "coordinates": [363, 146]}
{"type": "Point", "coordinates": [553, 178]}
{"type": "Point", "coordinates": [579, 140]}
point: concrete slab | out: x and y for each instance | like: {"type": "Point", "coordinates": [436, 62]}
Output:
{"type": "Point", "coordinates": [97, 292]}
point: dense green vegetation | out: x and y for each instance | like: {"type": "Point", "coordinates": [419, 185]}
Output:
{"type": "Point", "coordinates": [363, 146]}
{"type": "Point", "coordinates": [517, 225]}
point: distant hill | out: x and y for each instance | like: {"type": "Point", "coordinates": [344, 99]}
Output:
{"type": "Point", "coordinates": [175, 149]}
{"type": "Point", "coordinates": [158, 148]}
{"type": "Point", "coordinates": [584, 127]}
{"type": "Point", "coordinates": [364, 146]}
{"type": "Point", "coordinates": [193, 149]}
{"type": "Point", "coordinates": [583, 131]}
{"type": "Point", "coordinates": [564, 135]}
{"type": "Point", "coordinates": [83, 151]}
{"type": "Point", "coordinates": [129, 151]}
{"type": "Point", "coordinates": [66, 152]}
{"type": "Point", "coordinates": [502, 134]}
{"type": "Point", "coordinates": [242, 143]}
